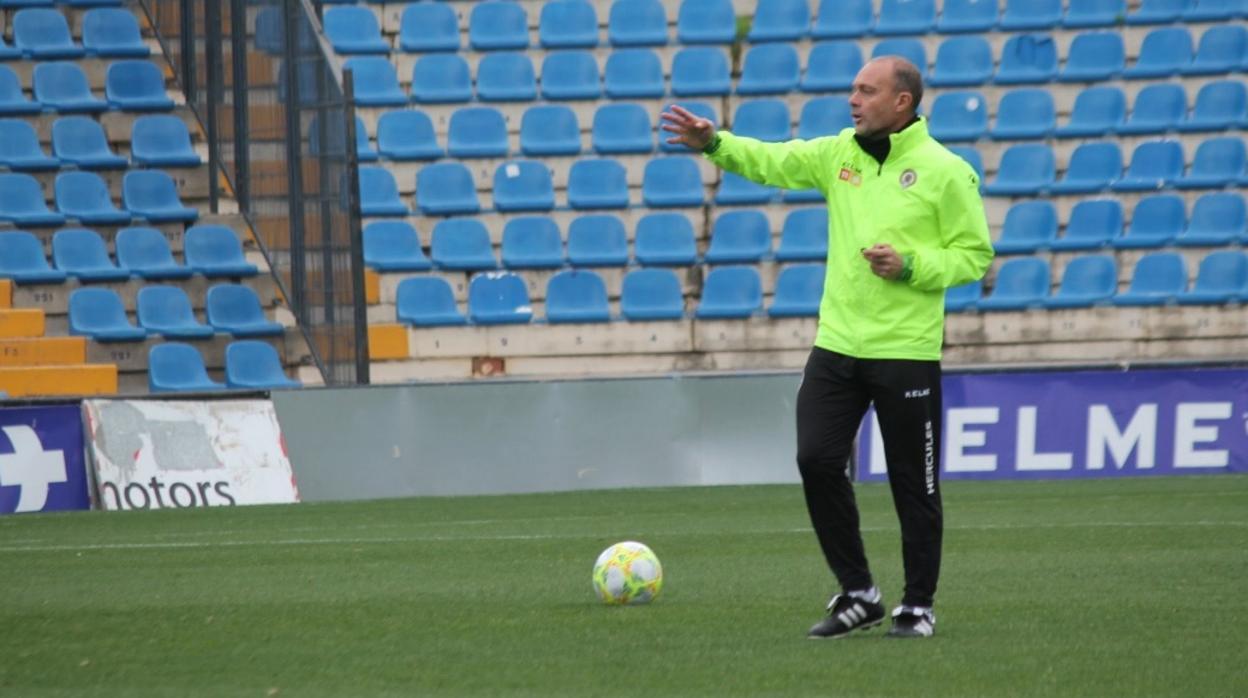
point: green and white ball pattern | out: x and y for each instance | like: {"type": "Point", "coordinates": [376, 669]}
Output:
{"type": "Point", "coordinates": [628, 573]}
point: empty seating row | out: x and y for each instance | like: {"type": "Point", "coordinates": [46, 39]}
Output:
{"type": "Point", "coordinates": [1159, 278]}
{"type": "Point", "coordinates": [212, 251]}
{"type": "Point", "coordinates": [42, 33]}
{"type": "Point", "coordinates": [249, 365]}
{"type": "Point", "coordinates": [166, 311]}
{"type": "Point", "coordinates": [156, 140]}
{"type": "Point", "coordinates": [61, 86]}
{"type": "Point", "coordinates": [149, 195]}
{"type": "Point", "coordinates": [1157, 220]}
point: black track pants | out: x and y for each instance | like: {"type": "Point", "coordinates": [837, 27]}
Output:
{"type": "Point", "coordinates": [835, 393]}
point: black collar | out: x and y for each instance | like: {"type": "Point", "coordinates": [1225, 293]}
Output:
{"type": "Point", "coordinates": [879, 146]}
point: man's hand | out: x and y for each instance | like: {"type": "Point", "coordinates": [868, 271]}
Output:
{"type": "Point", "coordinates": [690, 130]}
{"type": "Point", "coordinates": [885, 262]}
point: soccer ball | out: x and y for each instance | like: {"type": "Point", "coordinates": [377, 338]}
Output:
{"type": "Point", "coordinates": [628, 573]}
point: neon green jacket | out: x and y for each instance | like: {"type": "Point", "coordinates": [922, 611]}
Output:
{"type": "Point", "coordinates": [924, 201]}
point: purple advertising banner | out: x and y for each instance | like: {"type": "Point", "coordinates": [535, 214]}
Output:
{"type": "Point", "coordinates": [41, 459]}
{"type": "Point", "coordinates": [1080, 424]}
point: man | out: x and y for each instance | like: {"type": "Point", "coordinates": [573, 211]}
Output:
{"type": "Point", "coordinates": [905, 223]}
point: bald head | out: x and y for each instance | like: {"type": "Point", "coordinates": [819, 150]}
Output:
{"type": "Point", "coordinates": [906, 78]}
{"type": "Point", "coordinates": [885, 97]}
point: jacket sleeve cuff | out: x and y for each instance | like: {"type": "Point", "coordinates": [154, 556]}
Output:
{"type": "Point", "coordinates": [713, 145]}
{"type": "Point", "coordinates": [907, 268]}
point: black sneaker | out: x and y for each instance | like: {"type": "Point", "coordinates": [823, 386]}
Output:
{"type": "Point", "coordinates": [845, 615]}
{"type": "Point", "coordinates": [912, 622]}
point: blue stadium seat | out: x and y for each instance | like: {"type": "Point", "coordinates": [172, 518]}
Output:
{"type": "Point", "coordinates": [21, 201]}
{"type": "Point", "coordinates": [270, 36]}
{"type": "Point", "coordinates": [84, 197]}
{"type": "Point", "coordinates": [1094, 57]}
{"type": "Point", "coordinates": [1158, 279]}
{"type": "Point", "coordinates": [1220, 105]}
{"type": "Point", "coordinates": [804, 236]}
{"type": "Point", "coordinates": [112, 32]}
{"type": "Point", "coordinates": [1163, 53]}
{"type": "Point", "coordinates": [1213, 10]}
{"type": "Point", "coordinates": [735, 190]}
{"type": "Point", "coordinates": [597, 240]}
{"type": "Point", "coordinates": [905, 17]}
{"type": "Point", "coordinates": [962, 16]}
{"type": "Point", "coordinates": [1025, 114]}
{"type": "Point", "coordinates": [963, 298]}
{"type": "Point", "coordinates": [1097, 111]}
{"type": "Point", "coordinates": [506, 77]}
{"type": "Point", "coordinates": [576, 295]}
{"type": "Point", "coordinates": [136, 85]}
{"type": "Point", "coordinates": [353, 29]}
{"type": "Point", "coordinates": [570, 74]}
{"type": "Point", "coordinates": [672, 181]}
{"type": "Point", "coordinates": [236, 310]}
{"type": "Point", "coordinates": [700, 109]}
{"type": "Point", "coordinates": [799, 291]}
{"type": "Point", "coordinates": [1095, 13]}
{"type": "Point", "coordinates": [909, 49]}
{"type": "Point", "coordinates": [446, 189]}
{"type": "Point", "coordinates": [1158, 11]}
{"type": "Point", "coordinates": [770, 69]}
{"type": "Point", "coordinates": [1022, 283]}
{"type": "Point", "coordinates": [568, 24]}
{"type": "Point", "coordinates": [98, 313]}
{"type": "Point", "coordinates": [177, 367]}
{"type": "Point", "coordinates": [1221, 278]}
{"type": "Point", "coordinates": [462, 244]}
{"type": "Point", "coordinates": [958, 116]}
{"type": "Point", "coordinates": [962, 61]}
{"type": "Point", "coordinates": [1221, 50]}
{"type": "Point", "coordinates": [1088, 280]}
{"type": "Point", "coordinates": [407, 134]}
{"type": "Point", "coordinates": [700, 70]}
{"type": "Point", "coordinates": [622, 128]}
{"type": "Point", "coordinates": [972, 157]}
{"type": "Point", "coordinates": [376, 82]}
{"type": "Point", "coordinates": [843, 19]}
{"type": "Point", "coordinates": [1154, 165]}
{"type": "Point", "coordinates": [549, 129]}
{"type": "Point", "coordinates": [81, 254]}
{"type": "Point", "coordinates": [379, 194]}
{"type": "Point", "coordinates": [62, 87]}
{"type": "Point", "coordinates": [1217, 219]}
{"type": "Point", "coordinates": [330, 139]}
{"type": "Point", "coordinates": [393, 245]}
{"type": "Point", "coordinates": [739, 237]}
{"type": "Point", "coordinates": [499, 298]}
{"type": "Point", "coordinates": [633, 73]}
{"type": "Point", "coordinates": [80, 141]}
{"type": "Point", "coordinates": [523, 185]}
{"type": "Point", "coordinates": [1093, 223]}
{"type": "Point", "coordinates": [428, 26]}
{"type": "Point", "coordinates": [764, 119]}
{"type": "Point", "coordinates": [427, 301]}
{"type": "Point", "coordinates": [477, 132]}
{"type": "Point", "coordinates": [20, 150]}
{"type": "Point", "coordinates": [498, 26]}
{"type": "Point", "coordinates": [1156, 220]}
{"type": "Point", "coordinates": [161, 140]}
{"type": "Point", "coordinates": [780, 20]}
{"type": "Point", "coordinates": [597, 183]}
{"type": "Point", "coordinates": [1025, 170]}
{"type": "Point", "coordinates": [706, 22]}
{"type": "Point", "coordinates": [651, 294]}
{"type": "Point", "coordinates": [12, 100]}
{"type": "Point", "coordinates": [1093, 168]}
{"type": "Point", "coordinates": [824, 116]}
{"type": "Point", "coordinates": [214, 251]}
{"type": "Point", "coordinates": [664, 239]}
{"type": "Point", "coordinates": [254, 365]}
{"type": "Point", "coordinates": [7, 52]}
{"type": "Point", "coordinates": [166, 311]}
{"type": "Point", "coordinates": [730, 293]}
{"type": "Point", "coordinates": [1029, 226]}
{"type": "Point", "coordinates": [437, 78]}
{"type": "Point", "coordinates": [831, 66]}
{"type": "Point", "coordinates": [22, 259]}
{"type": "Point", "coordinates": [532, 242]}
{"type": "Point", "coordinates": [145, 252]}
{"type": "Point", "coordinates": [1030, 15]}
{"type": "Point", "coordinates": [43, 34]}
{"type": "Point", "coordinates": [1218, 163]}
{"type": "Point", "coordinates": [637, 23]}
{"type": "Point", "coordinates": [1027, 59]}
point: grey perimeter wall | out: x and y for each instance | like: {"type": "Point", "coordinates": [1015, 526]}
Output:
{"type": "Point", "coordinates": [512, 437]}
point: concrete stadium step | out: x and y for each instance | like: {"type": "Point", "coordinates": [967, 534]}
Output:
{"type": "Point", "coordinates": [78, 379]}
{"type": "Point", "coordinates": [43, 351]}
{"type": "Point", "coordinates": [22, 322]}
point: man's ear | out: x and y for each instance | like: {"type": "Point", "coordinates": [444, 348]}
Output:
{"type": "Point", "coordinates": [904, 101]}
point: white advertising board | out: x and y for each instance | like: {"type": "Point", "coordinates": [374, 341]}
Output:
{"type": "Point", "coordinates": [171, 454]}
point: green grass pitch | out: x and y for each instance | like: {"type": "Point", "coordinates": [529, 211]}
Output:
{"type": "Point", "coordinates": [1092, 588]}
